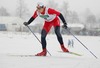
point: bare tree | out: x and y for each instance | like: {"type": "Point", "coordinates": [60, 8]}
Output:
{"type": "Point", "coordinates": [70, 16]}
{"type": "Point", "coordinates": [52, 4]}
{"type": "Point", "coordinates": [65, 11]}
{"type": "Point", "coordinates": [65, 8]}
{"type": "Point", "coordinates": [3, 12]}
{"type": "Point", "coordinates": [74, 17]}
{"type": "Point", "coordinates": [22, 9]}
{"type": "Point", "coordinates": [99, 20]}
{"type": "Point", "coordinates": [86, 15]}
{"type": "Point", "coordinates": [91, 19]}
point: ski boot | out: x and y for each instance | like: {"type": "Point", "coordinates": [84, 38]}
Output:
{"type": "Point", "coordinates": [43, 53]}
{"type": "Point", "coordinates": [64, 49]}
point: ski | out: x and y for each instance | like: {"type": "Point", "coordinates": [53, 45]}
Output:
{"type": "Point", "coordinates": [30, 55]}
{"type": "Point", "coordinates": [73, 53]}
{"type": "Point", "coordinates": [19, 55]}
{"type": "Point", "coordinates": [23, 55]}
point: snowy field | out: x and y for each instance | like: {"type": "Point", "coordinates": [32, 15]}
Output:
{"type": "Point", "coordinates": [27, 44]}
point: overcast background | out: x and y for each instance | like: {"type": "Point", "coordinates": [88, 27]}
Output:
{"type": "Point", "coordinates": [76, 5]}
{"type": "Point", "coordinates": [84, 12]}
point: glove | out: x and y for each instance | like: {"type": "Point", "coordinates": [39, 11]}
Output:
{"type": "Point", "coordinates": [65, 26]}
{"type": "Point", "coordinates": [25, 23]}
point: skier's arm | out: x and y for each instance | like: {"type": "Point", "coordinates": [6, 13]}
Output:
{"type": "Point", "coordinates": [63, 19]}
{"type": "Point", "coordinates": [52, 11]}
{"type": "Point", "coordinates": [31, 19]}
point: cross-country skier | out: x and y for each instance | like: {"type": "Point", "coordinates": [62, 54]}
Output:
{"type": "Point", "coordinates": [51, 19]}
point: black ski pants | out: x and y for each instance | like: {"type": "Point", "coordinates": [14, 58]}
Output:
{"type": "Point", "coordinates": [44, 34]}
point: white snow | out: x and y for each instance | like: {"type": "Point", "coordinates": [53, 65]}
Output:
{"type": "Point", "coordinates": [27, 44]}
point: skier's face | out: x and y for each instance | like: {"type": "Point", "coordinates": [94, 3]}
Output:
{"type": "Point", "coordinates": [40, 9]}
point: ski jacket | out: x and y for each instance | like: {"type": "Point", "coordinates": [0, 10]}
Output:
{"type": "Point", "coordinates": [48, 15]}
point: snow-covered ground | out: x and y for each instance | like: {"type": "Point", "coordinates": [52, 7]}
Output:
{"type": "Point", "coordinates": [27, 44]}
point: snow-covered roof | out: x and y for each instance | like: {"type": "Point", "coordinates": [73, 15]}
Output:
{"type": "Point", "coordinates": [11, 20]}
{"type": "Point", "coordinates": [76, 25]}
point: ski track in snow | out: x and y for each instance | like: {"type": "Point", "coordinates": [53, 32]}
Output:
{"type": "Point", "coordinates": [27, 44]}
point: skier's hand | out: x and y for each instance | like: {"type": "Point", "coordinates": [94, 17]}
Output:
{"type": "Point", "coordinates": [25, 23]}
{"type": "Point", "coordinates": [65, 26]}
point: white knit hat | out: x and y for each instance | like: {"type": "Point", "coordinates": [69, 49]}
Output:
{"type": "Point", "coordinates": [40, 4]}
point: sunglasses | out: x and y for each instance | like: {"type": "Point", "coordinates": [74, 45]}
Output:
{"type": "Point", "coordinates": [39, 8]}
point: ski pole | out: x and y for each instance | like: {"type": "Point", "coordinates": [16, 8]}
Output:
{"type": "Point", "coordinates": [81, 42]}
{"type": "Point", "coordinates": [37, 38]}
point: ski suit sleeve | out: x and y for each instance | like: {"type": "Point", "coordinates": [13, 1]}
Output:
{"type": "Point", "coordinates": [52, 11]}
{"type": "Point", "coordinates": [63, 19]}
{"type": "Point", "coordinates": [33, 17]}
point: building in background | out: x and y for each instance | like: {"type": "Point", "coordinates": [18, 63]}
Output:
{"type": "Point", "coordinates": [10, 23]}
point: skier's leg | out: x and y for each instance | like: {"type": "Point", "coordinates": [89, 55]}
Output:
{"type": "Point", "coordinates": [43, 41]}
{"type": "Point", "coordinates": [60, 39]}
{"type": "Point", "coordinates": [43, 38]}
{"type": "Point", "coordinates": [58, 34]}
{"type": "Point", "coordinates": [46, 28]}
{"type": "Point", "coordinates": [56, 25]}
{"type": "Point", "coordinates": [44, 33]}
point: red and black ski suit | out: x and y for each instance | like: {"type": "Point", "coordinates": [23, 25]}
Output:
{"type": "Point", "coordinates": [51, 19]}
